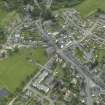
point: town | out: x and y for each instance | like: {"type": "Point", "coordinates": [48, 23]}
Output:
{"type": "Point", "coordinates": [56, 58]}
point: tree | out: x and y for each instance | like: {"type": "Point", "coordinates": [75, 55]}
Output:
{"type": "Point", "coordinates": [99, 10]}
{"type": "Point", "coordinates": [3, 54]}
{"type": "Point", "coordinates": [36, 13]}
{"type": "Point", "coordinates": [46, 14]}
{"type": "Point", "coordinates": [9, 51]}
{"type": "Point", "coordinates": [3, 36]}
{"type": "Point", "coordinates": [16, 49]}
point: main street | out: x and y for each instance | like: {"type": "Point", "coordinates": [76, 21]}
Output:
{"type": "Point", "coordinates": [84, 70]}
{"type": "Point", "coordinates": [69, 58]}
{"type": "Point", "coordinates": [88, 92]}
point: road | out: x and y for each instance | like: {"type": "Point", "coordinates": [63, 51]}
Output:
{"type": "Point", "coordinates": [12, 101]}
{"type": "Point", "coordinates": [86, 34]}
{"type": "Point", "coordinates": [68, 57]}
{"type": "Point", "coordinates": [42, 67]}
{"type": "Point", "coordinates": [83, 70]}
{"type": "Point", "coordinates": [89, 96]}
{"type": "Point", "coordinates": [46, 67]}
{"type": "Point", "coordinates": [49, 3]}
{"type": "Point", "coordinates": [80, 68]}
{"type": "Point", "coordinates": [41, 95]}
{"type": "Point", "coordinates": [36, 2]}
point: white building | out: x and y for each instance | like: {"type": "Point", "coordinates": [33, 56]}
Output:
{"type": "Point", "coordinates": [37, 84]}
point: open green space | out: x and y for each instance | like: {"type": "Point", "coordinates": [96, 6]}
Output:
{"type": "Point", "coordinates": [79, 54]}
{"type": "Point", "coordinates": [100, 55]}
{"type": "Point", "coordinates": [57, 4]}
{"type": "Point", "coordinates": [7, 17]}
{"type": "Point", "coordinates": [35, 102]}
{"type": "Point", "coordinates": [17, 67]}
{"type": "Point", "coordinates": [87, 7]}
{"type": "Point", "coordinates": [59, 71]}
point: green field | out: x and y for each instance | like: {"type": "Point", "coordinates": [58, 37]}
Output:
{"type": "Point", "coordinates": [7, 17]}
{"type": "Point", "coordinates": [90, 6]}
{"type": "Point", "coordinates": [86, 8]}
{"type": "Point", "coordinates": [17, 67]}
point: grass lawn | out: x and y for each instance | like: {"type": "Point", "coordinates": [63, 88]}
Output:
{"type": "Point", "coordinates": [90, 6]}
{"type": "Point", "coordinates": [79, 54]}
{"type": "Point", "coordinates": [59, 71]}
{"type": "Point", "coordinates": [100, 53]}
{"type": "Point", "coordinates": [39, 55]}
{"type": "Point", "coordinates": [16, 68]}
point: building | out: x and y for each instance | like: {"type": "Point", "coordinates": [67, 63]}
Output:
{"type": "Point", "coordinates": [38, 82]}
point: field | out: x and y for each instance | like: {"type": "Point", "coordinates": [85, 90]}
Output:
{"type": "Point", "coordinates": [86, 7]}
{"type": "Point", "coordinates": [90, 6]}
{"type": "Point", "coordinates": [17, 67]}
{"type": "Point", "coordinates": [7, 17]}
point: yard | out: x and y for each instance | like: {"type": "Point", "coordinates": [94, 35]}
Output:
{"type": "Point", "coordinates": [17, 67]}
